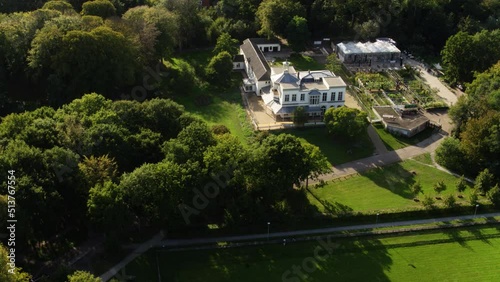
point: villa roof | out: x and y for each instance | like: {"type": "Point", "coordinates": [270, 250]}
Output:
{"type": "Point", "coordinates": [379, 46]}
{"type": "Point", "coordinates": [287, 77]}
{"type": "Point", "coordinates": [256, 60]}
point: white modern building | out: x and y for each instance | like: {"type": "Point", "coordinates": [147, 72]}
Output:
{"type": "Point", "coordinates": [316, 91]}
{"type": "Point", "coordinates": [382, 53]}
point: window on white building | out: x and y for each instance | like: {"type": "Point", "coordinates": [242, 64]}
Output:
{"type": "Point", "coordinates": [314, 100]}
{"type": "Point", "coordinates": [332, 96]}
{"type": "Point", "coordinates": [287, 98]}
{"type": "Point", "coordinates": [294, 97]}
{"type": "Point", "coordinates": [340, 96]}
{"type": "Point", "coordinates": [302, 97]}
{"type": "Point", "coordinates": [324, 97]}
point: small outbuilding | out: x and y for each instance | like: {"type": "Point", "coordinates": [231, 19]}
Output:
{"type": "Point", "coordinates": [403, 120]}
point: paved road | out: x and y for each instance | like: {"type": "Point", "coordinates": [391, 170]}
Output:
{"type": "Point", "coordinates": [190, 242]}
{"type": "Point", "coordinates": [426, 146]}
{"type": "Point", "coordinates": [443, 91]}
{"type": "Point", "coordinates": [144, 247]}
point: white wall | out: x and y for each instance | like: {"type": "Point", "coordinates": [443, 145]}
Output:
{"type": "Point", "coordinates": [238, 65]}
{"type": "Point", "coordinates": [326, 103]}
{"type": "Point", "coordinates": [269, 46]}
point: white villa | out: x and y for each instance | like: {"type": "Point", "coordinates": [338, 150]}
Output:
{"type": "Point", "coordinates": [283, 88]}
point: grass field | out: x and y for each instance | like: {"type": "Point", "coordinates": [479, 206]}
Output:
{"type": "Point", "coordinates": [393, 143]}
{"type": "Point", "coordinates": [225, 107]}
{"type": "Point", "coordinates": [336, 151]}
{"type": "Point", "coordinates": [382, 190]}
{"type": "Point", "coordinates": [466, 254]}
{"type": "Point", "coordinates": [302, 63]}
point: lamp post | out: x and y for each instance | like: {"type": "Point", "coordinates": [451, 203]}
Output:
{"type": "Point", "coordinates": [475, 211]}
{"type": "Point", "coordinates": [376, 221]}
{"type": "Point", "coordinates": [268, 224]}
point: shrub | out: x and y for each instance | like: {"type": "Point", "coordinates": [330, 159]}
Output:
{"type": "Point", "coordinates": [461, 186]}
{"type": "Point", "coordinates": [416, 188]}
{"type": "Point", "coordinates": [494, 195]}
{"type": "Point", "coordinates": [473, 198]}
{"type": "Point", "coordinates": [428, 202]}
{"type": "Point", "coordinates": [450, 201]}
{"type": "Point", "coordinates": [439, 186]}
{"type": "Point", "coordinates": [484, 181]}
{"type": "Point", "coordinates": [220, 129]}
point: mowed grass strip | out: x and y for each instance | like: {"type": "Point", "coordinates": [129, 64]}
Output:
{"type": "Point", "coordinates": [393, 143]}
{"type": "Point", "coordinates": [467, 254]}
{"type": "Point", "coordinates": [384, 189]}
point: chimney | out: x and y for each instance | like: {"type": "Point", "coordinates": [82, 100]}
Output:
{"type": "Point", "coordinates": [298, 74]}
{"type": "Point", "coordinates": [286, 66]}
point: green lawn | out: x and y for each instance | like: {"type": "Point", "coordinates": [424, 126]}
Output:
{"type": "Point", "coordinates": [424, 158]}
{"type": "Point", "coordinates": [384, 189]}
{"type": "Point", "coordinates": [336, 151]}
{"type": "Point", "coordinates": [220, 106]}
{"type": "Point", "coordinates": [466, 254]}
{"type": "Point", "coordinates": [393, 143]}
{"type": "Point", "coordinates": [303, 63]}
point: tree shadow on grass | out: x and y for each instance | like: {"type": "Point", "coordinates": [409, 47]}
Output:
{"type": "Point", "coordinates": [394, 178]}
{"type": "Point", "coordinates": [478, 234]}
{"type": "Point", "coordinates": [454, 234]}
{"type": "Point", "coordinates": [336, 208]}
{"type": "Point", "coordinates": [295, 261]}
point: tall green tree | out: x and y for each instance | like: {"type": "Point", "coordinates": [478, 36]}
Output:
{"type": "Point", "coordinates": [484, 181]}
{"type": "Point", "coordinates": [481, 141]}
{"type": "Point", "coordinates": [346, 123]}
{"type": "Point", "coordinates": [164, 22]}
{"type": "Point", "coordinates": [226, 43]}
{"type": "Point", "coordinates": [107, 210]}
{"type": "Point", "coordinates": [59, 5]}
{"type": "Point", "coordinates": [101, 8]}
{"type": "Point", "coordinates": [219, 69]}
{"type": "Point", "coordinates": [450, 155]}
{"type": "Point", "coordinates": [275, 15]}
{"type": "Point", "coordinates": [464, 54]}
{"type": "Point", "coordinates": [297, 33]}
{"type": "Point", "coordinates": [83, 276]}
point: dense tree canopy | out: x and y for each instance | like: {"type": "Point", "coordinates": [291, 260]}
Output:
{"type": "Point", "coordinates": [297, 33]}
{"type": "Point", "coordinates": [465, 54]}
{"type": "Point", "coordinates": [274, 16]}
{"type": "Point", "coordinates": [219, 69]}
{"type": "Point", "coordinates": [476, 118]}
{"type": "Point", "coordinates": [122, 166]}
{"type": "Point", "coordinates": [100, 8]}
{"type": "Point", "coordinates": [83, 276]}
{"type": "Point", "coordinates": [345, 122]}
